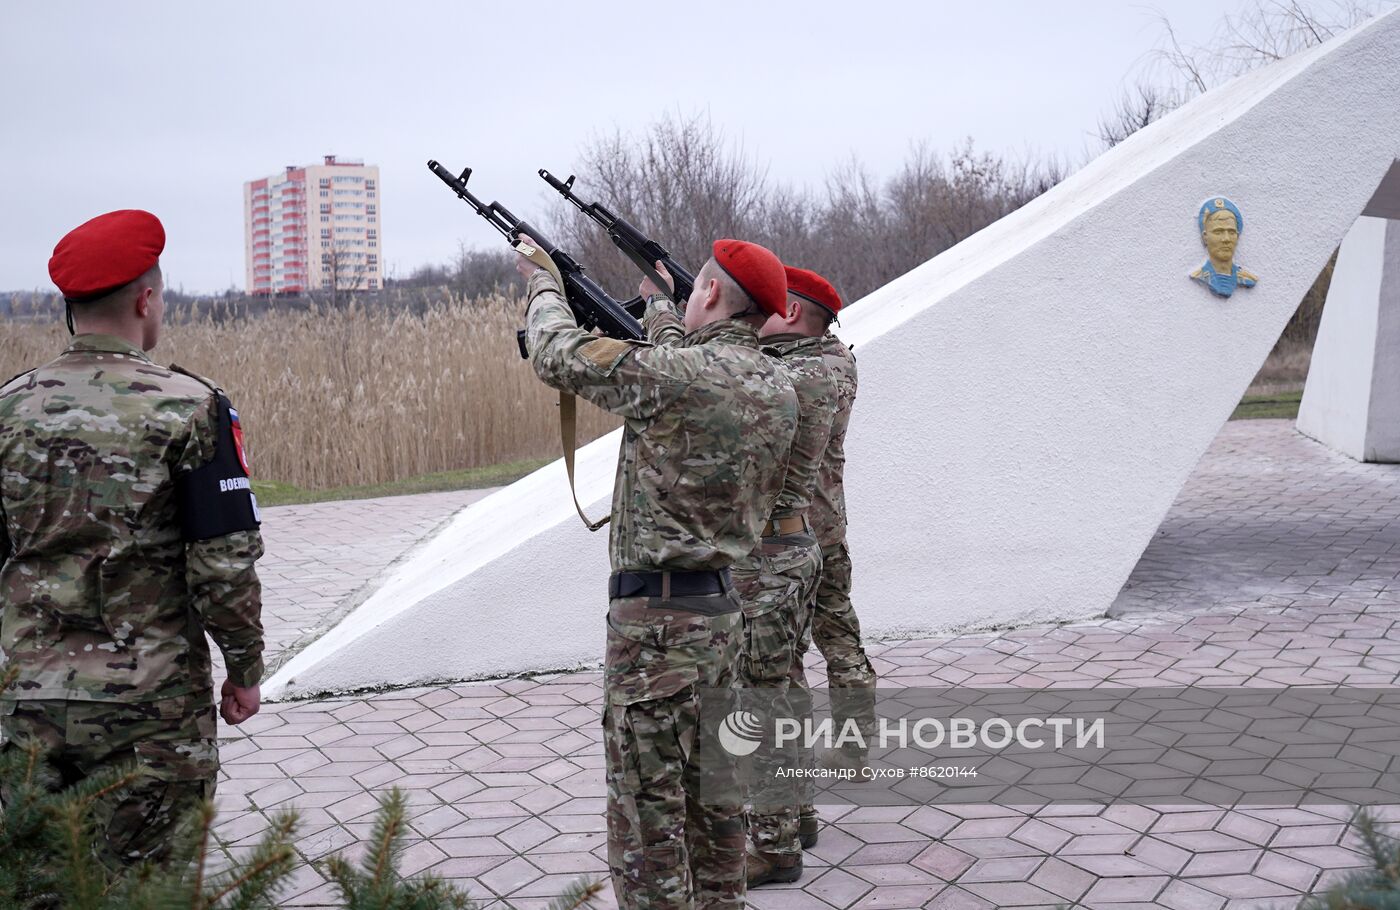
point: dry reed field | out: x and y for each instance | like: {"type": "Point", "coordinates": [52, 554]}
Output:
{"type": "Point", "coordinates": [373, 395]}
{"type": "Point", "coordinates": [355, 396]}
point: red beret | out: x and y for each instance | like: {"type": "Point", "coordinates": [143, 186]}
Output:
{"type": "Point", "coordinates": [755, 269]}
{"type": "Point", "coordinates": [809, 285]}
{"type": "Point", "coordinates": [99, 256]}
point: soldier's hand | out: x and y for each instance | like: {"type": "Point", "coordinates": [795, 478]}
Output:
{"type": "Point", "coordinates": [648, 287]}
{"type": "Point", "coordinates": [238, 704]}
{"type": "Point", "coordinates": [524, 266]}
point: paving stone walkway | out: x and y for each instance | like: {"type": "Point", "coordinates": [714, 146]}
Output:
{"type": "Point", "coordinates": [319, 556]}
{"type": "Point", "coordinates": [1280, 564]}
{"type": "Point", "coordinates": [1270, 516]}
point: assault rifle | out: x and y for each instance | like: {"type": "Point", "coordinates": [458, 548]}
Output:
{"type": "Point", "coordinates": [636, 246]}
{"type": "Point", "coordinates": [593, 307]}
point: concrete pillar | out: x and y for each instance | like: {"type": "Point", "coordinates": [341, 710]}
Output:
{"type": "Point", "coordinates": [1352, 398]}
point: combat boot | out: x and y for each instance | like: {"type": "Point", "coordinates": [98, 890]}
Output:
{"type": "Point", "coordinates": [848, 757]}
{"type": "Point", "coordinates": [808, 826]}
{"type": "Point", "coordinates": [772, 868]}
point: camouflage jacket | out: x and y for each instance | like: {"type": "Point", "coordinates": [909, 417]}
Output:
{"type": "Point", "coordinates": [663, 321]}
{"type": "Point", "coordinates": [708, 423]}
{"type": "Point", "coordinates": [828, 512]}
{"type": "Point", "coordinates": [816, 404]}
{"type": "Point", "coordinates": [103, 600]}
{"type": "Point", "coordinates": [805, 360]}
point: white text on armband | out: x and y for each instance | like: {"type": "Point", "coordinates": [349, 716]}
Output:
{"type": "Point", "coordinates": [234, 483]}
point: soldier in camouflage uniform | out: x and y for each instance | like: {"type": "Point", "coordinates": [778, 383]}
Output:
{"type": "Point", "coordinates": [778, 580]}
{"type": "Point", "coordinates": [835, 626]}
{"type": "Point", "coordinates": [707, 423]}
{"type": "Point", "coordinates": [119, 549]}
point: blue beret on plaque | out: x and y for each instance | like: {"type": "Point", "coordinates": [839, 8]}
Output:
{"type": "Point", "coordinates": [1219, 204]}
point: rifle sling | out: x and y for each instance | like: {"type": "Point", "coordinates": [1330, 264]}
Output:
{"type": "Point", "coordinates": [568, 413]}
{"type": "Point", "coordinates": [568, 431]}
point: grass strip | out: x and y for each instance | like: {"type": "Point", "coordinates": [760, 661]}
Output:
{"type": "Point", "coordinates": [1278, 405]}
{"type": "Point", "coordinates": [273, 493]}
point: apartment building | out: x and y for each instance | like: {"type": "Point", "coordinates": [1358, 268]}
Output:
{"type": "Point", "coordinates": [313, 228]}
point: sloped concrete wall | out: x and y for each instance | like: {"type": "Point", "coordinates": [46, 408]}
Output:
{"type": "Point", "coordinates": [1031, 400]}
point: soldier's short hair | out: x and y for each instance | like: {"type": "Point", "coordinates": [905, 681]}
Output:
{"type": "Point", "coordinates": [113, 302]}
{"type": "Point", "coordinates": [729, 291]}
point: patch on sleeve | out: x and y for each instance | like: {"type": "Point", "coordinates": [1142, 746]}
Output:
{"type": "Point", "coordinates": [238, 440]}
{"type": "Point", "coordinates": [605, 353]}
{"type": "Point", "coordinates": [217, 498]}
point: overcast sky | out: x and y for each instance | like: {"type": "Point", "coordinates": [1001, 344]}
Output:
{"type": "Point", "coordinates": [171, 107]}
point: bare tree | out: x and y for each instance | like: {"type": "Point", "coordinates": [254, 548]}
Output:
{"type": "Point", "coordinates": [1139, 106]}
{"type": "Point", "coordinates": [482, 273]}
{"type": "Point", "coordinates": [1266, 31]}
{"type": "Point", "coordinates": [876, 232]}
{"type": "Point", "coordinates": [685, 184]}
{"type": "Point", "coordinates": [344, 270]}
{"type": "Point", "coordinates": [683, 181]}
{"type": "Point", "coordinates": [854, 222]}
{"type": "Point", "coordinates": [791, 223]}
{"type": "Point", "coordinates": [1273, 29]}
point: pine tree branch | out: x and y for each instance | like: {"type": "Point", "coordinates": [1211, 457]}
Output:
{"type": "Point", "coordinates": [121, 783]}
{"type": "Point", "coordinates": [578, 895]}
{"type": "Point", "coordinates": [343, 876]}
{"type": "Point", "coordinates": [206, 827]}
{"type": "Point", "coordinates": [282, 853]}
{"type": "Point", "coordinates": [83, 892]}
{"type": "Point", "coordinates": [271, 862]}
{"type": "Point", "coordinates": [33, 749]}
{"type": "Point", "coordinates": [388, 828]}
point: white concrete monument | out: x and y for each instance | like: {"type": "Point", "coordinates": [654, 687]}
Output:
{"type": "Point", "coordinates": [1031, 400]}
{"type": "Point", "coordinates": [1352, 398]}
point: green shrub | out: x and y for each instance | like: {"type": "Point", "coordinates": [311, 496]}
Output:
{"type": "Point", "coordinates": [1376, 888]}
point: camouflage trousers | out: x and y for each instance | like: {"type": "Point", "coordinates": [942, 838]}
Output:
{"type": "Point", "coordinates": [675, 814]}
{"type": "Point", "coordinates": [172, 740]}
{"type": "Point", "coordinates": [776, 584]}
{"type": "Point", "coordinates": [836, 631]}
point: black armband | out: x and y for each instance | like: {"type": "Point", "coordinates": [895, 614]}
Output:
{"type": "Point", "coordinates": [217, 498]}
{"type": "Point", "coordinates": [5, 548]}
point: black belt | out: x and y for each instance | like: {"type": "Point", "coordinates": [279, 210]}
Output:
{"type": "Point", "coordinates": [682, 584]}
